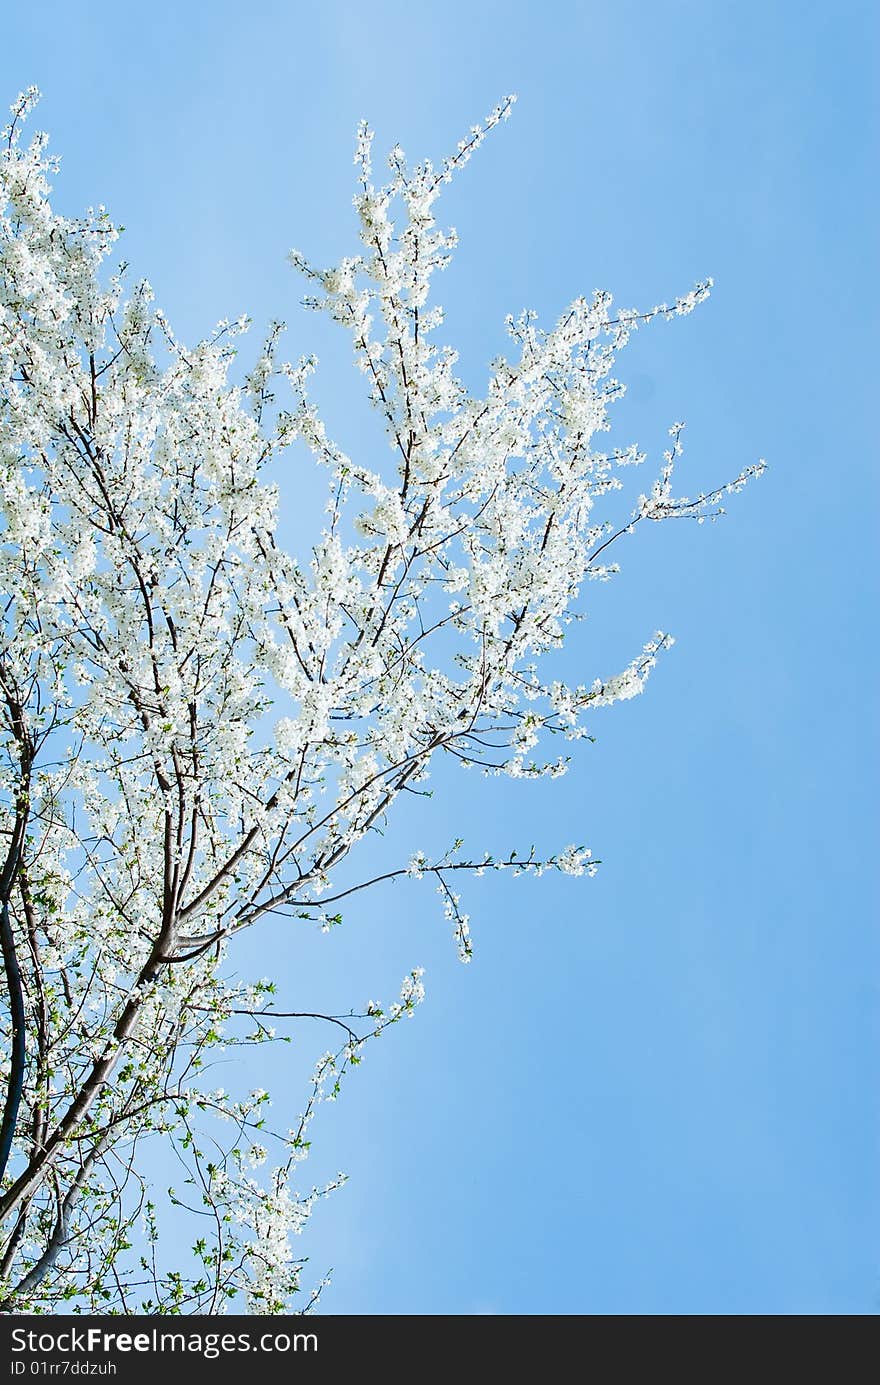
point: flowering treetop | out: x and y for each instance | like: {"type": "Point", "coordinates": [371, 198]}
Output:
{"type": "Point", "coordinates": [154, 803]}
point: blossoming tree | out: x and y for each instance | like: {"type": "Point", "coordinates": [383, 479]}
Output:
{"type": "Point", "coordinates": [154, 803]}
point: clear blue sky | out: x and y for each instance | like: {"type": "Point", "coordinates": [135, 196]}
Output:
{"type": "Point", "coordinates": [654, 1092]}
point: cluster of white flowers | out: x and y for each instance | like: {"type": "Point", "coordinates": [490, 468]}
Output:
{"type": "Point", "coordinates": [576, 860]}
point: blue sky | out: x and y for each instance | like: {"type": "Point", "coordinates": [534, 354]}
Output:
{"type": "Point", "coordinates": [653, 1092]}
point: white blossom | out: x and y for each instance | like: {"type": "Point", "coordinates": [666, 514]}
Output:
{"type": "Point", "coordinates": [199, 729]}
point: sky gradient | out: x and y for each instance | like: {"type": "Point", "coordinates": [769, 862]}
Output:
{"type": "Point", "coordinates": [653, 1092]}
